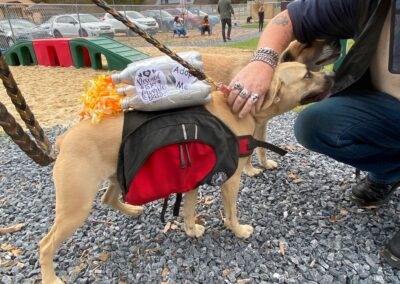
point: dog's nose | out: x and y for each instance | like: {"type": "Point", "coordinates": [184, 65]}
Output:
{"type": "Point", "coordinates": [329, 75]}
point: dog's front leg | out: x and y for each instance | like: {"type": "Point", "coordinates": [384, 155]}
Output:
{"type": "Point", "coordinates": [112, 199]}
{"type": "Point", "coordinates": [230, 191]}
{"type": "Point", "coordinates": [261, 134]}
{"type": "Point", "coordinates": [189, 214]}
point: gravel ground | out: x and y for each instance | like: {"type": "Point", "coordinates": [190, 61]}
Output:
{"type": "Point", "coordinates": [302, 210]}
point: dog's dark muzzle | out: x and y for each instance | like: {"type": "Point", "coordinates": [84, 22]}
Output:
{"type": "Point", "coordinates": [318, 96]}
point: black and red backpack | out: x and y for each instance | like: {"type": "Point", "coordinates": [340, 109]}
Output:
{"type": "Point", "coordinates": [176, 151]}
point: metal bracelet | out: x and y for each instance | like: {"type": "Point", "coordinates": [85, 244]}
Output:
{"type": "Point", "coordinates": [266, 55]}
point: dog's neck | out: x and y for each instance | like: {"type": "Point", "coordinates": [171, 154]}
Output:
{"type": "Point", "coordinates": [267, 113]}
{"type": "Point", "coordinates": [219, 107]}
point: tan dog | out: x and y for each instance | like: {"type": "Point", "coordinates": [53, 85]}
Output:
{"type": "Point", "coordinates": [88, 155]}
{"type": "Point", "coordinates": [315, 55]}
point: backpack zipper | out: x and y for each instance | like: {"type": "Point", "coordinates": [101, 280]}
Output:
{"type": "Point", "coordinates": [181, 153]}
{"type": "Point", "coordinates": [182, 156]}
{"type": "Point", "coordinates": [188, 155]}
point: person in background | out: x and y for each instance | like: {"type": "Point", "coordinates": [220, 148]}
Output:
{"type": "Point", "coordinates": [179, 28]}
{"type": "Point", "coordinates": [359, 124]}
{"type": "Point", "coordinates": [225, 10]}
{"type": "Point", "coordinates": [205, 25]}
{"type": "Point", "coordinates": [261, 18]}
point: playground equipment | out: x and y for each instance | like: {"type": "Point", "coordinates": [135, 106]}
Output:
{"type": "Point", "coordinates": [78, 52]}
{"type": "Point", "coordinates": [21, 53]}
{"type": "Point", "coordinates": [88, 51]}
{"type": "Point", "coordinates": [53, 52]}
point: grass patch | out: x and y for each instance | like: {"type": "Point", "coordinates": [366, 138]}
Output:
{"type": "Point", "coordinates": [300, 108]}
{"type": "Point", "coordinates": [247, 44]}
{"type": "Point", "coordinates": [250, 26]}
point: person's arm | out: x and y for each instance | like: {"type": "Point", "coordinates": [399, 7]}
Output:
{"type": "Point", "coordinates": [231, 9]}
{"type": "Point", "coordinates": [304, 20]}
{"type": "Point", "coordinates": [256, 76]}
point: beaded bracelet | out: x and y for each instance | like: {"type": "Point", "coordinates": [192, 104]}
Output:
{"type": "Point", "coordinates": [266, 55]}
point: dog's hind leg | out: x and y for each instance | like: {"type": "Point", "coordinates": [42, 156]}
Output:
{"type": "Point", "coordinates": [112, 199]}
{"type": "Point", "coordinates": [76, 187]}
{"type": "Point", "coordinates": [189, 214]}
{"type": "Point", "coordinates": [230, 191]}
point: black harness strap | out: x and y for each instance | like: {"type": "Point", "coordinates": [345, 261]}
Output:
{"type": "Point", "coordinates": [257, 143]}
{"type": "Point", "coordinates": [177, 206]}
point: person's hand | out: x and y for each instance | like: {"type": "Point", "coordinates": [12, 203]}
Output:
{"type": "Point", "coordinates": [249, 87]}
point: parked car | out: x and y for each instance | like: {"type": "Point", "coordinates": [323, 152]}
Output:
{"type": "Point", "coordinates": [74, 25]}
{"type": "Point", "coordinates": [190, 20]}
{"type": "Point", "coordinates": [21, 30]}
{"type": "Point", "coordinates": [147, 24]}
{"type": "Point", "coordinates": [164, 19]}
{"type": "Point", "coordinates": [214, 19]}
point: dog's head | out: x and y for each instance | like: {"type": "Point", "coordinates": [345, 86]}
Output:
{"type": "Point", "coordinates": [295, 84]}
{"type": "Point", "coordinates": [314, 54]}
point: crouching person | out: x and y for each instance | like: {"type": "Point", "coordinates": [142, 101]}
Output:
{"type": "Point", "coordinates": [205, 26]}
{"type": "Point", "coordinates": [179, 29]}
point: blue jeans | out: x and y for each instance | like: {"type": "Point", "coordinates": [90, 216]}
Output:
{"type": "Point", "coordinates": [180, 31]}
{"type": "Point", "coordinates": [359, 128]}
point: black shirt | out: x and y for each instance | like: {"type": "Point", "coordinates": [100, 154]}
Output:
{"type": "Point", "coordinates": [323, 19]}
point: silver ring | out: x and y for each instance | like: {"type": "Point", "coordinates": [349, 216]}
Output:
{"type": "Point", "coordinates": [254, 98]}
{"type": "Point", "coordinates": [238, 86]}
{"type": "Point", "coordinates": [244, 94]}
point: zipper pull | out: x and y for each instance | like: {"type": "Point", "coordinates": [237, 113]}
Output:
{"type": "Point", "coordinates": [182, 157]}
{"type": "Point", "coordinates": [188, 155]}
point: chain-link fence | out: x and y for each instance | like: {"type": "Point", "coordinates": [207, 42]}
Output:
{"type": "Point", "coordinates": [37, 21]}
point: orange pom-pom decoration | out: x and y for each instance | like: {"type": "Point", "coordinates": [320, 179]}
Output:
{"type": "Point", "coordinates": [100, 100]}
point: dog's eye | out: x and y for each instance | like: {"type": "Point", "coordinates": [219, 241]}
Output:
{"type": "Point", "coordinates": [308, 75]}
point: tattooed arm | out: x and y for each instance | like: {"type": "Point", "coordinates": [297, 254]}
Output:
{"type": "Point", "coordinates": [278, 33]}
{"type": "Point", "coordinates": [256, 76]}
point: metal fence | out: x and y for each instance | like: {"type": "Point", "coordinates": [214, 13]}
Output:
{"type": "Point", "coordinates": [23, 21]}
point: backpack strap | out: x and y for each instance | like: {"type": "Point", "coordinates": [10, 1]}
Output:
{"type": "Point", "coordinates": [164, 209]}
{"type": "Point", "coordinates": [177, 206]}
{"type": "Point", "coordinates": [247, 144]}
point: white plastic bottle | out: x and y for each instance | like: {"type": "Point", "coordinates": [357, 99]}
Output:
{"type": "Point", "coordinates": [164, 63]}
{"type": "Point", "coordinates": [197, 94]}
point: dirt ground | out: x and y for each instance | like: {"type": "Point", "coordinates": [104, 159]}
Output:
{"type": "Point", "coordinates": [53, 93]}
{"type": "Point", "coordinates": [194, 37]}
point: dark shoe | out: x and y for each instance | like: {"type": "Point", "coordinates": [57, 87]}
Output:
{"type": "Point", "coordinates": [224, 40]}
{"type": "Point", "coordinates": [391, 251]}
{"type": "Point", "coordinates": [229, 38]}
{"type": "Point", "coordinates": [368, 193]}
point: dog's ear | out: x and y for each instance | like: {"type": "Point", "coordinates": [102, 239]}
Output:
{"type": "Point", "coordinates": [286, 56]}
{"type": "Point", "coordinates": [272, 96]}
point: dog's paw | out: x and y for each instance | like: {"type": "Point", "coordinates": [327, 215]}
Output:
{"type": "Point", "coordinates": [243, 231]}
{"type": "Point", "coordinates": [194, 231]}
{"type": "Point", "coordinates": [252, 171]}
{"type": "Point", "coordinates": [133, 211]}
{"type": "Point", "coordinates": [270, 164]}
{"type": "Point", "coordinates": [54, 280]}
